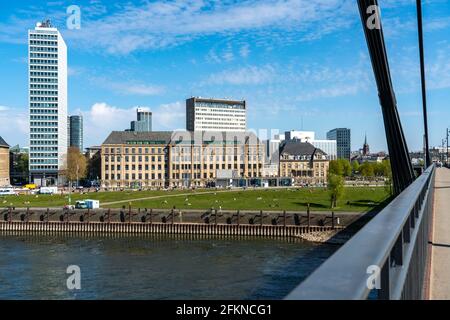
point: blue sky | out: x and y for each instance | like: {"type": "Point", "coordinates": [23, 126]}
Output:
{"type": "Point", "coordinates": [290, 59]}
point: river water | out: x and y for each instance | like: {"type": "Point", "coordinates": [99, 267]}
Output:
{"type": "Point", "coordinates": [154, 267]}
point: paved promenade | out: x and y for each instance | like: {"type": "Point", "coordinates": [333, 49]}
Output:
{"type": "Point", "coordinates": [440, 263]}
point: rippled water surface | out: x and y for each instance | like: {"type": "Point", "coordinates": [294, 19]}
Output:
{"type": "Point", "coordinates": [154, 267]}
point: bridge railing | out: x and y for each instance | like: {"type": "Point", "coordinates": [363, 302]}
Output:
{"type": "Point", "coordinates": [386, 259]}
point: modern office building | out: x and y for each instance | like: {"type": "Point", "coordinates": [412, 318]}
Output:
{"type": "Point", "coordinates": [4, 163]}
{"type": "Point", "coordinates": [179, 158]}
{"type": "Point", "coordinates": [343, 141]}
{"type": "Point", "coordinates": [75, 132]}
{"type": "Point", "coordinates": [143, 122]}
{"type": "Point", "coordinates": [327, 146]}
{"type": "Point", "coordinates": [216, 115]}
{"type": "Point", "coordinates": [303, 162]}
{"type": "Point", "coordinates": [48, 103]}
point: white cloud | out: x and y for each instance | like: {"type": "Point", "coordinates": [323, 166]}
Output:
{"type": "Point", "coordinates": [244, 51]}
{"type": "Point", "coordinates": [251, 75]}
{"type": "Point", "coordinates": [159, 24]}
{"type": "Point", "coordinates": [128, 87]}
{"type": "Point", "coordinates": [15, 128]}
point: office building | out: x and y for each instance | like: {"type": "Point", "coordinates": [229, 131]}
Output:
{"type": "Point", "coordinates": [48, 103]}
{"type": "Point", "coordinates": [4, 163]}
{"type": "Point", "coordinates": [327, 146]}
{"type": "Point", "coordinates": [143, 122]}
{"type": "Point", "coordinates": [75, 130]}
{"type": "Point", "coordinates": [216, 115]}
{"type": "Point", "coordinates": [343, 141]}
{"type": "Point", "coordinates": [179, 158]}
{"type": "Point", "coordinates": [304, 163]}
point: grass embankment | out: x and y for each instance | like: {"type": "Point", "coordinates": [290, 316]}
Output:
{"type": "Point", "coordinates": [354, 199]}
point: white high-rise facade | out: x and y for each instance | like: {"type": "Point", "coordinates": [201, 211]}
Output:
{"type": "Point", "coordinates": [216, 115]}
{"type": "Point", "coordinates": [47, 60]}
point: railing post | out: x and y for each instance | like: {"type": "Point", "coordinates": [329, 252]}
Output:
{"type": "Point", "coordinates": [384, 293]}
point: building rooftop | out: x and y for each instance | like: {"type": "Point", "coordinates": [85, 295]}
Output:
{"type": "Point", "coordinates": [173, 137]}
{"type": "Point", "coordinates": [297, 148]}
{"type": "Point", "coordinates": [3, 143]}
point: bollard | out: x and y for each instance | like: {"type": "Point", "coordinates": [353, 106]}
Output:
{"type": "Point", "coordinates": [309, 218]}
{"type": "Point", "coordinates": [332, 219]}
{"type": "Point", "coordinates": [129, 213]}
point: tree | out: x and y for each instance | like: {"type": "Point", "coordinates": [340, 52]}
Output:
{"type": "Point", "coordinates": [75, 165]}
{"type": "Point", "coordinates": [335, 188]}
{"type": "Point", "coordinates": [346, 167]}
{"type": "Point", "coordinates": [355, 166]}
{"type": "Point", "coordinates": [336, 168]}
{"type": "Point", "coordinates": [367, 169]}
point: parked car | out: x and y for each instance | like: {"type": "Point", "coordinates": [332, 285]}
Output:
{"type": "Point", "coordinates": [69, 207]}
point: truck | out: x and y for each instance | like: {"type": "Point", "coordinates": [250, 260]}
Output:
{"type": "Point", "coordinates": [48, 190]}
{"type": "Point", "coordinates": [92, 204]}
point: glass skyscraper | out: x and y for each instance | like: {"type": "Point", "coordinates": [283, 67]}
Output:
{"type": "Point", "coordinates": [48, 102]}
{"type": "Point", "coordinates": [144, 121]}
{"type": "Point", "coordinates": [343, 141]}
{"type": "Point", "coordinates": [76, 132]}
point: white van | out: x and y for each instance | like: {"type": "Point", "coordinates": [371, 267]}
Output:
{"type": "Point", "coordinates": [7, 192]}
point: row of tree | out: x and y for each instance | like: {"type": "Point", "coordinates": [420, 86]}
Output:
{"type": "Point", "coordinates": [344, 168]}
{"type": "Point", "coordinates": [341, 169]}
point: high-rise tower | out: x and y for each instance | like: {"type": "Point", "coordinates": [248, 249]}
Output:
{"type": "Point", "coordinates": [47, 60]}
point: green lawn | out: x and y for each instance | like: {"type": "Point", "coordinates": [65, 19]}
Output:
{"type": "Point", "coordinates": [42, 200]}
{"type": "Point", "coordinates": [354, 199]}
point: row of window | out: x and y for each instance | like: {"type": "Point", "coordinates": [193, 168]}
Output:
{"type": "Point", "coordinates": [43, 80]}
{"type": "Point", "coordinates": [44, 117]}
{"type": "Point", "coordinates": [133, 150]}
{"type": "Point", "coordinates": [49, 68]}
{"type": "Point", "coordinates": [43, 43]}
{"type": "Point", "coordinates": [44, 129]}
{"type": "Point", "coordinates": [43, 74]}
{"type": "Point", "coordinates": [44, 86]}
{"type": "Point", "coordinates": [43, 161]}
{"type": "Point", "coordinates": [43, 142]}
{"type": "Point", "coordinates": [43, 61]}
{"type": "Point", "coordinates": [43, 149]}
{"type": "Point", "coordinates": [133, 176]}
{"type": "Point", "coordinates": [178, 167]}
{"type": "Point", "coordinates": [34, 99]}
{"type": "Point", "coordinates": [43, 105]}
{"type": "Point", "coordinates": [43, 49]}
{"type": "Point", "coordinates": [43, 124]}
{"type": "Point", "coordinates": [43, 55]}
{"type": "Point", "coordinates": [43, 167]}
{"type": "Point", "coordinates": [43, 93]}
{"type": "Point", "coordinates": [43, 136]}
{"type": "Point", "coordinates": [43, 36]}
{"type": "Point", "coordinates": [44, 155]}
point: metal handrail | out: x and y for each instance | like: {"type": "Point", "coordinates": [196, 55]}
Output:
{"type": "Point", "coordinates": [394, 242]}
